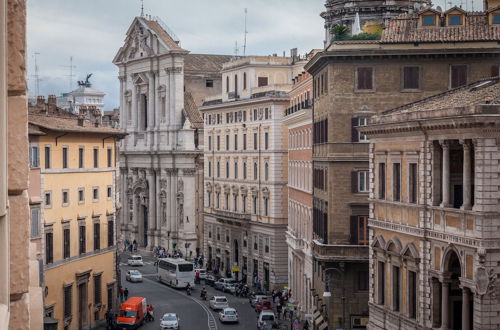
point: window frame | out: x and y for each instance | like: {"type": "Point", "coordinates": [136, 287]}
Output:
{"type": "Point", "coordinates": [405, 88]}
{"type": "Point", "coordinates": [65, 157]}
{"type": "Point", "coordinates": [97, 235]}
{"type": "Point", "coordinates": [364, 89]}
{"type": "Point", "coordinates": [45, 194]}
{"type": "Point", "coordinates": [95, 155]}
{"type": "Point", "coordinates": [396, 181]}
{"type": "Point", "coordinates": [47, 155]}
{"type": "Point", "coordinates": [65, 192]}
{"type": "Point", "coordinates": [94, 189]}
{"type": "Point", "coordinates": [452, 85]}
{"type": "Point", "coordinates": [81, 157]}
{"type": "Point", "coordinates": [35, 226]}
{"type": "Point", "coordinates": [82, 238]}
{"type": "Point", "coordinates": [34, 156]}
{"type": "Point", "coordinates": [366, 181]}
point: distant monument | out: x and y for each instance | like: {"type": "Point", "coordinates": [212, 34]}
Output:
{"type": "Point", "coordinates": [86, 82]}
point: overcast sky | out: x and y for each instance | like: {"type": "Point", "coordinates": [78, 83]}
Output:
{"type": "Point", "coordinates": [92, 31]}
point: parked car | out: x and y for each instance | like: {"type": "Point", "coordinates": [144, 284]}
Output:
{"type": "Point", "coordinates": [219, 285]}
{"type": "Point", "coordinates": [135, 260]}
{"type": "Point", "coordinates": [229, 287]}
{"type": "Point", "coordinates": [262, 305]}
{"type": "Point", "coordinates": [218, 302]}
{"type": "Point", "coordinates": [133, 276]}
{"type": "Point", "coordinates": [169, 321]}
{"type": "Point", "coordinates": [228, 315]}
{"type": "Point", "coordinates": [210, 280]}
{"type": "Point", "coordinates": [203, 273]}
{"type": "Point", "coordinates": [266, 317]}
{"type": "Point", "coordinates": [255, 298]}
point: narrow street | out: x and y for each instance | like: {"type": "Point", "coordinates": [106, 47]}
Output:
{"type": "Point", "coordinates": [193, 312]}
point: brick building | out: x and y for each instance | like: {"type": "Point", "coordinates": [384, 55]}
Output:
{"type": "Point", "coordinates": [434, 213]}
{"type": "Point", "coordinates": [418, 56]}
{"type": "Point", "coordinates": [298, 120]}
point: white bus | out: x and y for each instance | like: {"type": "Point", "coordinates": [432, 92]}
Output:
{"type": "Point", "coordinates": [175, 272]}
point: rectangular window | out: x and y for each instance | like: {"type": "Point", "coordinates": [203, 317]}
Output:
{"type": "Point", "coordinates": [209, 143]}
{"type": "Point", "coordinates": [218, 169]}
{"type": "Point", "coordinates": [255, 243]}
{"type": "Point", "coordinates": [458, 75]}
{"type": "Point", "coordinates": [262, 81]}
{"type": "Point", "coordinates": [34, 157]}
{"type": "Point", "coordinates": [254, 114]}
{"type": "Point", "coordinates": [266, 206]}
{"type": "Point", "coordinates": [49, 248]}
{"type": "Point", "coordinates": [110, 157]}
{"type": "Point", "coordinates": [455, 19]}
{"type": "Point", "coordinates": [411, 77]}
{"type": "Point", "coordinates": [227, 118]}
{"type": "Point", "coordinates": [320, 131]}
{"type": "Point", "coordinates": [254, 205]}
{"type": "Point", "coordinates": [209, 83]}
{"type": "Point", "coordinates": [47, 157]}
{"type": "Point", "coordinates": [81, 153]}
{"type": "Point", "coordinates": [244, 142]}
{"type": "Point", "coordinates": [227, 170]}
{"type": "Point", "coordinates": [95, 194]}
{"type": "Point", "coordinates": [48, 199]}
{"type": "Point", "coordinates": [395, 288]}
{"type": "Point", "coordinates": [429, 20]}
{"type": "Point", "coordinates": [67, 300]}
{"type": "Point", "coordinates": [65, 197]}
{"type": "Point", "coordinates": [96, 157]}
{"type": "Point", "coordinates": [218, 142]}
{"type": "Point", "coordinates": [235, 170]}
{"type": "Point", "coordinates": [412, 294]}
{"type": "Point", "coordinates": [365, 78]}
{"type": "Point", "coordinates": [97, 236]}
{"type": "Point", "coordinates": [266, 140]}
{"type": "Point", "coordinates": [266, 113]}
{"type": "Point", "coordinates": [359, 229]}
{"type": "Point", "coordinates": [209, 168]}
{"type": "Point", "coordinates": [82, 239]}
{"type": "Point", "coordinates": [396, 182]}
{"type": "Point", "coordinates": [319, 178]}
{"type": "Point", "coordinates": [109, 192]}
{"type": "Point", "coordinates": [65, 157]}
{"type": "Point", "coordinates": [111, 233]}
{"type": "Point", "coordinates": [413, 183]}
{"type": "Point", "coordinates": [97, 289]}
{"type": "Point", "coordinates": [254, 141]}
{"type": "Point", "coordinates": [245, 170]}
{"type": "Point", "coordinates": [236, 142]}
{"type": "Point", "coordinates": [495, 69]}
{"type": "Point", "coordinates": [381, 283]}
{"type": "Point", "coordinates": [66, 243]}
{"type": "Point", "coordinates": [244, 115]}
{"type": "Point", "coordinates": [362, 122]}
{"type": "Point", "coordinates": [81, 195]}
{"type": "Point", "coordinates": [496, 19]}
{"type": "Point", "coordinates": [227, 142]}
{"type": "Point", "coordinates": [381, 180]}
{"type": "Point", "coordinates": [363, 181]}
{"type": "Point", "coordinates": [255, 172]}
{"type": "Point", "coordinates": [35, 223]}
{"type": "Point", "coordinates": [266, 245]}
{"type": "Point", "coordinates": [110, 296]}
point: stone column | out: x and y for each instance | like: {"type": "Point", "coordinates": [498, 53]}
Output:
{"type": "Point", "coordinates": [446, 174]}
{"type": "Point", "coordinates": [445, 294]}
{"type": "Point", "coordinates": [467, 194]}
{"type": "Point", "coordinates": [151, 101]}
{"type": "Point", "coordinates": [465, 308]}
{"type": "Point", "coordinates": [151, 206]}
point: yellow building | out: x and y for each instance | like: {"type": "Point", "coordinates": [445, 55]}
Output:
{"type": "Point", "coordinates": [77, 161]}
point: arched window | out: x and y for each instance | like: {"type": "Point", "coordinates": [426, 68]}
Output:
{"type": "Point", "coordinates": [236, 84]}
{"type": "Point", "coordinates": [244, 170]}
{"type": "Point", "coordinates": [255, 171]}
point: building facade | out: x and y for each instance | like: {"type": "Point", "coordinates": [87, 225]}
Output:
{"type": "Point", "coordinates": [21, 302]}
{"type": "Point", "coordinates": [246, 171]}
{"type": "Point", "coordinates": [161, 159]}
{"type": "Point", "coordinates": [434, 211]}
{"type": "Point", "coordinates": [298, 121]}
{"type": "Point", "coordinates": [83, 96]}
{"type": "Point", "coordinates": [376, 76]}
{"type": "Point", "coordinates": [76, 159]}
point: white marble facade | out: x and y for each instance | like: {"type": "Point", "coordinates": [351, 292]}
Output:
{"type": "Point", "coordinates": [158, 158]}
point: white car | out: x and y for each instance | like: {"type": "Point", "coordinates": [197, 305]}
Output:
{"type": "Point", "coordinates": [266, 317]}
{"type": "Point", "coordinates": [229, 287]}
{"type": "Point", "coordinates": [169, 321]}
{"type": "Point", "coordinates": [203, 273]}
{"type": "Point", "coordinates": [133, 275]}
{"type": "Point", "coordinates": [218, 302]}
{"type": "Point", "coordinates": [228, 315]}
{"type": "Point", "coordinates": [135, 260]}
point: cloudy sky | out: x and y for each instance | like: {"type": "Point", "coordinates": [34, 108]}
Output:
{"type": "Point", "coordinates": [93, 30]}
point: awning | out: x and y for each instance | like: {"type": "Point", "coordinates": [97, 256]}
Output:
{"type": "Point", "coordinates": [318, 320]}
{"type": "Point", "coordinates": [323, 326]}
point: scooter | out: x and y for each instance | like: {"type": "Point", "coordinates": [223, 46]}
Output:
{"type": "Point", "coordinates": [203, 295]}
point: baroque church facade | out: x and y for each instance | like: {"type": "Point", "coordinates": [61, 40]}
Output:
{"type": "Point", "coordinates": [161, 158]}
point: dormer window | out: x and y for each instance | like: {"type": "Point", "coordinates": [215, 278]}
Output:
{"type": "Point", "coordinates": [429, 20]}
{"type": "Point", "coordinates": [455, 19]}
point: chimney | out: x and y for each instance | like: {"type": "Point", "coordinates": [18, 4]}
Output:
{"type": "Point", "coordinates": [40, 101]}
{"type": "Point", "coordinates": [81, 119]}
{"type": "Point", "coordinates": [51, 102]}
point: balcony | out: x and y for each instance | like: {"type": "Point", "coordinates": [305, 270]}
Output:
{"type": "Point", "coordinates": [230, 215]}
{"type": "Point", "coordinates": [347, 151]}
{"type": "Point", "coordinates": [307, 104]}
{"type": "Point", "coordinates": [334, 252]}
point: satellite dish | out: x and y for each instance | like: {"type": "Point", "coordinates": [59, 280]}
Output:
{"type": "Point", "coordinates": [438, 8]}
{"type": "Point", "coordinates": [417, 6]}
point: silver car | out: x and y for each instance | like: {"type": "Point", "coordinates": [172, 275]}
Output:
{"type": "Point", "coordinates": [218, 302]}
{"type": "Point", "coordinates": [228, 315]}
{"type": "Point", "coordinates": [133, 276]}
{"type": "Point", "coordinates": [135, 260]}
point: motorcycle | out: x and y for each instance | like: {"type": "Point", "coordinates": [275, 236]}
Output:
{"type": "Point", "coordinates": [203, 295]}
{"type": "Point", "coordinates": [188, 290]}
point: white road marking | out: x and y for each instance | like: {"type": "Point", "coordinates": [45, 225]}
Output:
{"type": "Point", "coordinates": [212, 324]}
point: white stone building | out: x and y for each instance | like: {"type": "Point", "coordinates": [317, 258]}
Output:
{"type": "Point", "coordinates": [161, 161]}
{"type": "Point", "coordinates": [246, 171]}
{"type": "Point", "coordinates": [85, 96]}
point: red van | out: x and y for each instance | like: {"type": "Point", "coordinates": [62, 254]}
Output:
{"type": "Point", "coordinates": [132, 313]}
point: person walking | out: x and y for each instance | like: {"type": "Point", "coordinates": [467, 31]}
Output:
{"type": "Point", "coordinates": [120, 293]}
{"type": "Point", "coordinates": [125, 293]}
{"type": "Point", "coordinates": [278, 310]}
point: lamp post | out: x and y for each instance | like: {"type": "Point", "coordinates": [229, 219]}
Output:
{"type": "Point", "coordinates": [327, 292]}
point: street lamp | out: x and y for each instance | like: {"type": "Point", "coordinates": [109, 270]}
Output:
{"type": "Point", "coordinates": [327, 292]}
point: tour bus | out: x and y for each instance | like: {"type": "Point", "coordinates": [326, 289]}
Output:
{"type": "Point", "coordinates": [175, 272]}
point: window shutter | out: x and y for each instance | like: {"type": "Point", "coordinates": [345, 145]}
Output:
{"type": "Point", "coordinates": [495, 70]}
{"type": "Point", "coordinates": [354, 229]}
{"type": "Point", "coordinates": [354, 131]}
{"type": "Point", "coordinates": [354, 181]}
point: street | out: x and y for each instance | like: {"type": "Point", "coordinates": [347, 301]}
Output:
{"type": "Point", "coordinates": [193, 312]}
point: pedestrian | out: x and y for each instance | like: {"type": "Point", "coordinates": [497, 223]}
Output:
{"type": "Point", "coordinates": [125, 293]}
{"type": "Point", "coordinates": [278, 310]}
{"type": "Point", "coordinates": [296, 324]}
{"type": "Point", "coordinates": [120, 292]}
{"type": "Point", "coordinates": [109, 317]}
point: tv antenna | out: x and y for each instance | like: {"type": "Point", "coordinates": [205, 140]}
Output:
{"type": "Point", "coordinates": [246, 32]}
{"type": "Point", "coordinates": [71, 75]}
{"type": "Point", "coordinates": [36, 75]}
{"type": "Point", "coordinates": [236, 49]}
{"type": "Point", "coordinates": [142, 8]}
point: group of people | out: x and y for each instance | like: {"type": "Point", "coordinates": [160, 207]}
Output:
{"type": "Point", "coordinates": [160, 252]}
{"type": "Point", "coordinates": [111, 320]}
{"type": "Point", "coordinates": [122, 293]}
{"type": "Point", "coordinates": [149, 313]}
{"type": "Point", "coordinates": [132, 247]}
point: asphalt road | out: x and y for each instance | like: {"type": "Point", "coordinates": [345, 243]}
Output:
{"type": "Point", "coordinates": [193, 312]}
